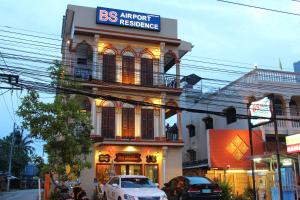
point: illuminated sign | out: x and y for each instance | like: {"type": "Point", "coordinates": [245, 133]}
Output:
{"type": "Point", "coordinates": [128, 157]}
{"type": "Point", "coordinates": [104, 158]}
{"type": "Point", "coordinates": [261, 108]}
{"type": "Point", "coordinates": [127, 18]}
{"type": "Point", "coordinates": [293, 143]}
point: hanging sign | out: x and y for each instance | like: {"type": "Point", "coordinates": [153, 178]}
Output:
{"type": "Point", "coordinates": [104, 158]}
{"type": "Point", "coordinates": [293, 143]}
{"type": "Point", "coordinates": [260, 108]}
{"type": "Point", "coordinates": [128, 157]}
{"type": "Point", "coordinates": [127, 18]}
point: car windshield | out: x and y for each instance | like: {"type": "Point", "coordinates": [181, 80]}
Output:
{"type": "Point", "coordinates": [136, 183]}
{"type": "Point", "coordinates": [198, 180]}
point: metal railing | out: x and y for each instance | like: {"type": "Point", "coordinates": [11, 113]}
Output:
{"type": "Point", "coordinates": [276, 76]}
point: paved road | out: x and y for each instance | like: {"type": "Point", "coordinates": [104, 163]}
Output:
{"type": "Point", "coordinates": [19, 195]}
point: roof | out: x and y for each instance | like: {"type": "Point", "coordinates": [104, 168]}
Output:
{"type": "Point", "coordinates": [130, 176]}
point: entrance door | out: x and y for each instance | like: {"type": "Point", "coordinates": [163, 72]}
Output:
{"type": "Point", "coordinates": [128, 169]}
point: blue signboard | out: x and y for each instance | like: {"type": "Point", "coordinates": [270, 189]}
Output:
{"type": "Point", "coordinates": [127, 18]}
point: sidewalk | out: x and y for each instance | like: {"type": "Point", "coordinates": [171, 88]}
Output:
{"type": "Point", "coordinates": [20, 195]}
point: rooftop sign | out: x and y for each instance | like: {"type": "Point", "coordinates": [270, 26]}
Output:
{"type": "Point", "coordinates": [127, 18]}
{"type": "Point", "coordinates": [260, 108]}
{"type": "Point", "coordinates": [293, 143]}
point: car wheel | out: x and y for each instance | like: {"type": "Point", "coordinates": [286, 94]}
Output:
{"type": "Point", "coordinates": [104, 197]}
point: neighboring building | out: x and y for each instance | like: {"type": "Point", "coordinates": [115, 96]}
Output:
{"type": "Point", "coordinates": [297, 70]}
{"type": "Point", "coordinates": [127, 63]}
{"type": "Point", "coordinates": [215, 145]}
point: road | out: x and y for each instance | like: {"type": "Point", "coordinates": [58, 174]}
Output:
{"type": "Point", "coordinates": [20, 195]}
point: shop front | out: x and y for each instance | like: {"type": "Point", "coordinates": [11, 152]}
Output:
{"type": "Point", "coordinates": [135, 160]}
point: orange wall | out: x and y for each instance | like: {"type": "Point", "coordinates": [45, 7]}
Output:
{"type": "Point", "coordinates": [231, 148]}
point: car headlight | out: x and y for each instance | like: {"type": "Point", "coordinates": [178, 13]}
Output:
{"type": "Point", "coordinates": [128, 197]}
{"type": "Point", "coordinates": [164, 197]}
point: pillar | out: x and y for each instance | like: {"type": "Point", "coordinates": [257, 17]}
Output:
{"type": "Point", "coordinates": [96, 71]}
{"type": "Point", "coordinates": [177, 73]}
{"type": "Point", "coordinates": [119, 68]}
{"type": "Point", "coordinates": [179, 125]}
{"type": "Point", "coordinates": [118, 121]}
{"type": "Point", "coordinates": [162, 63]}
{"type": "Point", "coordinates": [156, 123]}
{"type": "Point", "coordinates": [163, 117]}
{"type": "Point", "coordinates": [288, 115]}
{"type": "Point", "coordinates": [138, 133]}
{"type": "Point", "coordinates": [93, 115]}
{"type": "Point", "coordinates": [164, 163]}
{"type": "Point", "coordinates": [99, 120]}
{"type": "Point", "coordinates": [137, 74]}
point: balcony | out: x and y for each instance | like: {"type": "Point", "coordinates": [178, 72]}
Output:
{"type": "Point", "coordinates": [166, 81]}
{"type": "Point", "coordinates": [284, 126]}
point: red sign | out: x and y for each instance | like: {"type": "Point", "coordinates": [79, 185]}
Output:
{"type": "Point", "coordinates": [232, 148]}
{"type": "Point", "coordinates": [293, 148]}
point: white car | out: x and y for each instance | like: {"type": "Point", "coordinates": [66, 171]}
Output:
{"type": "Point", "coordinates": [132, 187]}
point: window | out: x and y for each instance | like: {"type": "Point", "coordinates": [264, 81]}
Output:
{"type": "Point", "coordinates": [128, 69]}
{"type": "Point", "coordinates": [114, 180]}
{"type": "Point", "coordinates": [151, 171]}
{"type": "Point", "coordinates": [209, 122]}
{"type": "Point", "coordinates": [128, 123]}
{"type": "Point", "coordinates": [108, 122]}
{"type": "Point", "coordinates": [82, 61]}
{"type": "Point", "coordinates": [230, 114]}
{"type": "Point", "coordinates": [192, 154]}
{"type": "Point", "coordinates": [146, 72]}
{"type": "Point", "coordinates": [147, 124]}
{"type": "Point", "coordinates": [109, 68]}
{"type": "Point", "coordinates": [293, 108]}
{"type": "Point", "coordinates": [278, 107]}
{"type": "Point", "coordinates": [192, 130]}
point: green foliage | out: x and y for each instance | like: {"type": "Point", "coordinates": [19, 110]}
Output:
{"type": "Point", "coordinates": [62, 125]}
{"type": "Point", "coordinates": [249, 193]}
{"type": "Point", "coordinates": [226, 190]}
{"type": "Point", "coordinates": [22, 151]}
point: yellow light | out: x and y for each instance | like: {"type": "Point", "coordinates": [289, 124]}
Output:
{"type": "Point", "coordinates": [156, 53]}
{"type": "Point", "coordinates": [98, 102]}
{"type": "Point", "coordinates": [257, 159]}
{"type": "Point", "coordinates": [101, 47]}
{"type": "Point", "coordinates": [156, 101]}
{"type": "Point", "coordinates": [100, 153]}
{"type": "Point", "coordinates": [130, 149]}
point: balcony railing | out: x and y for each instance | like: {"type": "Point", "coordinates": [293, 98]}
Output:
{"type": "Point", "coordinates": [159, 80]}
{"type": "Point", "coordinates": [284, 124]}
{"type": "Point", "coordinates": [273, 76]}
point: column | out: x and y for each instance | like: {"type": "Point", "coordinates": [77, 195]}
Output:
{"type": "Point", "coordinates": [119, 68]}
{"type": "Point", "coordinates": [164, 163]}
{"type": "Point", "coordinates": [93, 115]}
{"type": "Point", "coordinates": [162, 63]}
{"type": "Point", "coordinates": [99, 120]}
{"type": "Point", "coordinates": [163, 118]}
{"type": "Point", "coordinates": [289, 126]}
{"type": "Point", "coordinates": [95, 73]}
{"type": "Point", "coordinates": [137, 73]}
{"type": "Point", "coordinates": [118, 121]}
{"type": "Point", "coordinates": [156, 123]}
{"type": "Point", "coordinates": [178, 73]}
{"type": "Point", "coordinates": [137, 123]}
{"type": "Point", "coordinates": [179, 125]}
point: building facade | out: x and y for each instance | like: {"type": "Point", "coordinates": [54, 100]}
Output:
{"type": "Point", "coordinates": [199, 130]}
{"type": "Point", "coordinates": [124, 66]}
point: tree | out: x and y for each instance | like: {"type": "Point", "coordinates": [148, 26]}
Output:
{"type": "Point", "coordinates": [22, 151]}
{"type": "Point", "coordinates": [61, 124]}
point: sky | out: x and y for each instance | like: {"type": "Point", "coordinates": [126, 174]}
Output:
{"type": "Point", "coordinates": [218, 31]}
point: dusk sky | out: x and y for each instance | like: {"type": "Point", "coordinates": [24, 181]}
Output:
{"type": "Point", "coordinates": [218, 31]}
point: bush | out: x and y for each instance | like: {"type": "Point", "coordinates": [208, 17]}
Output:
{"type": "Point", "coordinates": [226, 190]}
{"type": "Point", "coordinates": [249, 193]}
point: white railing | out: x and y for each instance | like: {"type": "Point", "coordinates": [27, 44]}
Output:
{"type": "Point", "coordinates": [276, 76]}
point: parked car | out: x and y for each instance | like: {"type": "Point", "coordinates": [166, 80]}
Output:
{"type": "Point", "coordinates": [192, 187]}
{"type": "Point", "coordinates": [132, 187]}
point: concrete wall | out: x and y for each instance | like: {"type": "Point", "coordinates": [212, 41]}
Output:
{"type": "Point", "coordinates": [173, 163]}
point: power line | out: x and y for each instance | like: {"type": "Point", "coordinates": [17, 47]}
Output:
{"type": "Point", "coordinates": [261, 8]}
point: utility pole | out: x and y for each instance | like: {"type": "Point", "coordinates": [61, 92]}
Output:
{"type": "Point", "coordinates": [10, 157]}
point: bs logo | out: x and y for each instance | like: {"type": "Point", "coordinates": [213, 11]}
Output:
{"type": "Point", "coordinates": [111, 16]}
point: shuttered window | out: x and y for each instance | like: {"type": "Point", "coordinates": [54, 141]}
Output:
{"type": "Point", "coordinates": [108, 122]}
{"type": "Point", "coordinates": [109, 68]}
{"type": "Point", "coordinates": [146, 72]}
{"type": "Point", "coordinates": [128, 123]}
{"type": "Point", "coordinates": [128, 69]}
{"type": "Point", "coordinates": [147, 126]}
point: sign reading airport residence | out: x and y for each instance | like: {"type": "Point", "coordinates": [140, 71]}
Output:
{"type": "Point", "coordinates": [260, 108]}
{"type": "Point", "coordinates": [127, 18]}
{"type": "Point", "coordinates": [293, 143]}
